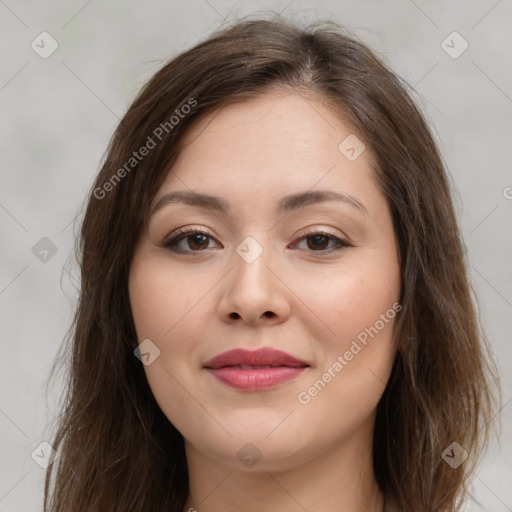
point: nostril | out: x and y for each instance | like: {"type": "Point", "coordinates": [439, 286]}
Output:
{"type": "Point", "coordinates": [270, 314]}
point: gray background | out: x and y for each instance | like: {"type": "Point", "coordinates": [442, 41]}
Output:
{"type": "Point", "coordinates": [58, 114]}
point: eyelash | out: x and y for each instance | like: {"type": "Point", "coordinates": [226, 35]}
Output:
{"type": "Point", "coordinates": [184, 233]}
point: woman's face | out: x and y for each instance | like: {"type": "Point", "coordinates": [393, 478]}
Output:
{"type": "Point", "coordinates": [277, 264]}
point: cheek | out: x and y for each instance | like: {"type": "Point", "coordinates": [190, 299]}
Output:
{"type": "Point", "coordinates": [169, 307]}
{"type": "Point", "coordinates": [163, 300]}
{"type": "Point", "coordinates": [165, 310]}
{"type": "Point", "coordinates": [356, 361]}
{"type": "Point", "coordinates": [348, 301]}
{"type": "Point", "coordinates": [355, 313]}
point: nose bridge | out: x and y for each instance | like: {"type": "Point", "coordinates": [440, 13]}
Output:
{"type": "Point", "coordinates": [253, 291]}
{"type": "Point", "coordinates": [251, 260]}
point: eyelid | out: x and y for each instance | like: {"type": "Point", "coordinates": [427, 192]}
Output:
{"type": "Point", "coordinates": [319, 230]}
{"type": "Point", "coordinates": [186, 230]}
{"type": "Point", "coordinates": [303, 233]}
{"type": "Point", "coordinates": [189, 229]}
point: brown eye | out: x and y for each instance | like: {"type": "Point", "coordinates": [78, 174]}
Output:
{"type": "Point", "coordinates": [319, 241]}
{"type": "Point", "coordinates": [195, 241]}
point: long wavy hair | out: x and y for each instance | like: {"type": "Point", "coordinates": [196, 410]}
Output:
{"type": "Point", "coordinates": [116, 449]}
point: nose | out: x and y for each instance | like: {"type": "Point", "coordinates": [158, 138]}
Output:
{"type": "Point", "coordinates": [254, 293]}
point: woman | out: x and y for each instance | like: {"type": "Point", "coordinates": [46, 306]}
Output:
{"type": "Point", "coordinates": [275, 310]}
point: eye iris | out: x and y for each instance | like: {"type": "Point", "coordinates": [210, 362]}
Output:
{"type": "Point", "coordinates": [197, 237]}
{"type": "Point", "coordinates": [318, 239]}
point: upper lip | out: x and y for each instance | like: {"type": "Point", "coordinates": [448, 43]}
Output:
{"type": "Point", "coordinates": [260, 357]}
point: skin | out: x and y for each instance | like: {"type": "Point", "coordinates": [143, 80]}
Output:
{"type": "Point", "coordinates": [252, 154]}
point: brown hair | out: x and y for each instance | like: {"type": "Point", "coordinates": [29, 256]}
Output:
{"type": "Point", "coordinates": [117, 450]}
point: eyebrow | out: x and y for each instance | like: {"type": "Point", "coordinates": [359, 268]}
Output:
{"type": "Point", "coordinates": [287, 204]}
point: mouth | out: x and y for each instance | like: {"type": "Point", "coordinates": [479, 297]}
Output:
{"type": "Point", "coordinates": [255, 370]}
{"type": "Point", "coordinates": [250, 359]}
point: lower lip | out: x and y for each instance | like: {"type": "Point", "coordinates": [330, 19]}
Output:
{"type": "Point", "coordinates": [255, 379]}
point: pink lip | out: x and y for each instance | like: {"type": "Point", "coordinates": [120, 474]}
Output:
{"type": "Point", "coordinates": [283, 367]}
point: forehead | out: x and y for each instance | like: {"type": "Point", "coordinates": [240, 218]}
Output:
{"type": "Point", "coordinates": [271, 122]}
{"type": "Point", "coordinates": [271, 145]}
